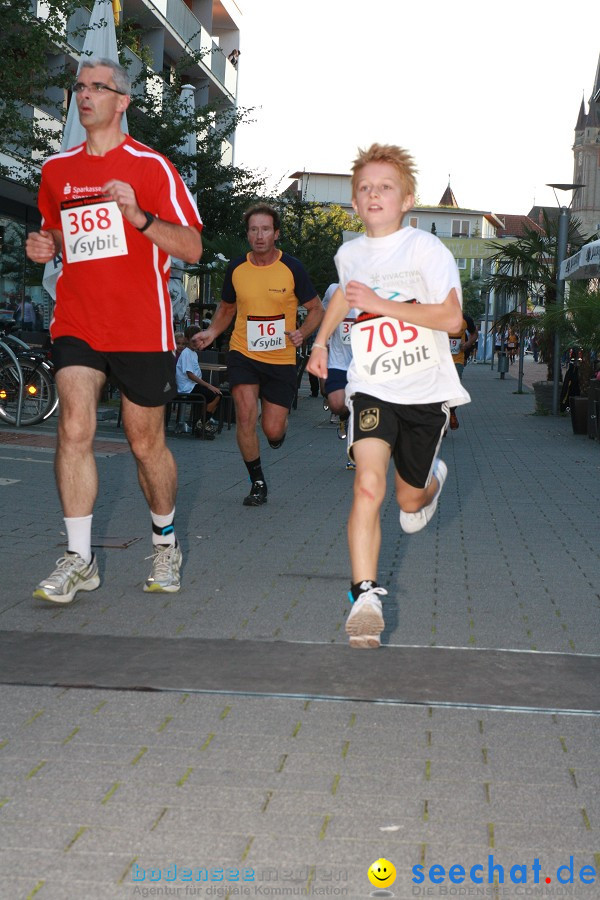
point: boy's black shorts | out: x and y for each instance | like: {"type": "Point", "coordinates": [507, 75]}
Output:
{"type": "Point", "coordinates": [413, 433]}
{"type": "Point", "coordinates": [277, 383]}
{"type": "Point", "coordinates": [147, 379]}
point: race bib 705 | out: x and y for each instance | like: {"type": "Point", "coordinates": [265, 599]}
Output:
{"type": "Point", "coordinates": [385, 348]}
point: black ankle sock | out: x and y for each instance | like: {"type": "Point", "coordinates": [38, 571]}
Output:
{"type": "Point", "coordinates": [357, 589]}
{"type": "Point", "coordinates": [255, 469]}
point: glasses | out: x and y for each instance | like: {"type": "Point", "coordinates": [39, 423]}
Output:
{"type": "Point", "coordinates": [96, 87]}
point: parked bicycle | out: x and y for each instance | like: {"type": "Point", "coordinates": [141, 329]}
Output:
{"type": "Point", "coordinates": [28, 392]}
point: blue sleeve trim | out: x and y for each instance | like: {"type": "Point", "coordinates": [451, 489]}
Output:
{"type": "Point", "coordinates": [303, 286]}
{"type": "Point", "coordinates": [228, 294]}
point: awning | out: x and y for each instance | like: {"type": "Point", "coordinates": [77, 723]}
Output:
{"type": "Point", "coordinates": [583, 264]}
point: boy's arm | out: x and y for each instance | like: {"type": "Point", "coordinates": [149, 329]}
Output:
{"type": "Point", "coordinates": [335, 313]}
{"type": "Point", "coordinates": [445, 316]}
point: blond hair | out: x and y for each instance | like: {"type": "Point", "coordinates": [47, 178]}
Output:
{"type": "Point", "coordinates": [400, 159]}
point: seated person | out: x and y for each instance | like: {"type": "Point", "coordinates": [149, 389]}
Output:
{"type": "Point", "coordinates": [190, 381]}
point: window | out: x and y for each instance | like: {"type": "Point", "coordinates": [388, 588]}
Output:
{"type": "Point", "coordinates": [460, 228]}
{"type": "Point", "coordinates": [413, 222]}
{"type": "Point", "coordinates": [476, 269]}
{"type": "Point", "coordinates": [461, 263]}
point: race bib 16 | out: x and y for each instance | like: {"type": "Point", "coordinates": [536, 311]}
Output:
{"type": "Point", "coordinates": [265, 332]}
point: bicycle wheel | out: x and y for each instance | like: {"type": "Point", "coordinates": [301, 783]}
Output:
{"type": "Point", "coordinates": [39, 394]}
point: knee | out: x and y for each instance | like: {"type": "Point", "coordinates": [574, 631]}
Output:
{"type": "Point", "coordinates": [75, 431]}
{"type": "Point", "coordinates": [144, 445]}
{"type": "Point", "coordinates": [274, 433]}
{"type": "Point", "coordinates": [410, 503]}
{"type": "Point", "coordinates": [369, 488]}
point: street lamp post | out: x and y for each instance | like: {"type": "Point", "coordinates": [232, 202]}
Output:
{"type": "Point", "coordinates": [561, 254]}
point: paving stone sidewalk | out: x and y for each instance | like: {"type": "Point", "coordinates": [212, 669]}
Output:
{"type": "Point", "coordinates": [102, 791]}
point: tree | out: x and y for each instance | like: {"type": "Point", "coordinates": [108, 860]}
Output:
{"type": "Point", "coordinates": [473, 305]}
{"type": "Point", "coordinates": [313, 233]}
{"type": "Point", "coordinates": [526, 267]}
{"type": "Point", "coordinates": [33, 76]}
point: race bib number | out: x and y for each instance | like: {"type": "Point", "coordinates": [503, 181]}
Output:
{"type": "Point", "coordinates": [92, 229]}
{"type": "Point", "coordinates": [455, 346]}
{"type": "Point", "coordinates": [345, 331]}
{"type": "Point", "coordinates": [265, 333]}
{"type": "Point", "coordinates": [385, 348]}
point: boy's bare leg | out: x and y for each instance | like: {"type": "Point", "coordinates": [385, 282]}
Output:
{"type": "Point", "coordinates": [372, 458]}
{"type": "Point", "coordinates": [411, 499]}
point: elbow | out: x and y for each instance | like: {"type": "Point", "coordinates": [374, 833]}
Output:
{"type": "Point", "coordinates": [195, 254]}
{"type": "Point", "coordinates": [454, 322]}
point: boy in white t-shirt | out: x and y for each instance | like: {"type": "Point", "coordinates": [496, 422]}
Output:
{"type": "Point", "coordinates": [340, 356]}
{"type": "Point", "coordinates": [402, 379]}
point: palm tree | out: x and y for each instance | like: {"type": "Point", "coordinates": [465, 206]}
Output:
{"type": "Point", "coordinates": [526, 267]}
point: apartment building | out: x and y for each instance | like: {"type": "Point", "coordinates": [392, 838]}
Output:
{"type": "Point", "coordinates": [157, 30]}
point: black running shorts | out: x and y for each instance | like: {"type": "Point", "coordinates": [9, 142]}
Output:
{"type": "Point", "coordinates": [277, 383]}
{"type": "Point", "coordinates": [413, 433]}
{"type": "Point", "coordinates": [147, 379]}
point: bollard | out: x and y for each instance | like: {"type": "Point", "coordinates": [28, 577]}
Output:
{"type": "Point", "coordinates": [502, 363]}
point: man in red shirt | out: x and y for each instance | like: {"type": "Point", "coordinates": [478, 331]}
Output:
{"type": "Point", "coordinates": [116, 210]}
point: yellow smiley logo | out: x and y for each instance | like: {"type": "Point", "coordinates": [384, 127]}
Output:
{"type": "Point", "coordinates": [382, 873]}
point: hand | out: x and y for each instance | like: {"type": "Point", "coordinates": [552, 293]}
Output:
{"type": "Point", "coordinates": [124, 196]}
{"type": "Point", "coordinates": [361, 297]}
{"type": "Point", "coordinates": [296, 337]}
{"type": "Point", "coordinates": [202, 339]}
{"type": "Point", "coordinates": [317, 362]}
{"type": "Point", "coordinates": [214, 389]}
{"type": "Point", "coordinates": [40, 247]}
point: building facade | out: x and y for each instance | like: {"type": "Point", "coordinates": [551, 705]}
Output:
{"type": "Point", "coordinates": [586, 168]}
{"type": "Point", "coordinates": [159, 32]}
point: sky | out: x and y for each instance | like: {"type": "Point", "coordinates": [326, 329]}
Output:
{"type": "Point", "coordinates": [486, 94]}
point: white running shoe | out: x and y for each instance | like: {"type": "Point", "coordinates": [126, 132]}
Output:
{"type": "Point", "coordinates": [413, 522]}
{"type": "Point", "coordinates": [166, 562]}
{"type": "Point", "coordinates": [365, 622]}
{"type": "Point", "coordinates": [72, 574]}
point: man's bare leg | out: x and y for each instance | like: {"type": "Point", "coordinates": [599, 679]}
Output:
{"type": "Point", "coordinates": [245, 397]}
{"type": "Point", "coordinates": [157, 471]}
{"type": "Point", "coordinates": [274, 421]}
{"type": "Point", "coordinates": [157, 475]}
{"type": "Point", "coordinates": [77, 482]}
{"type": "Point", "coordinates": [75, 467]}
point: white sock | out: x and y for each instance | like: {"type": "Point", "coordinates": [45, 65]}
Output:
{"type": "Point", "coordinates": [79, 536]}
{"type": "Point", "coordinates": [163, 531]}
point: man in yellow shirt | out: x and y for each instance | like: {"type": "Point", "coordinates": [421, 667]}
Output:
{"type": "Point", "coordinates": [262, 290]}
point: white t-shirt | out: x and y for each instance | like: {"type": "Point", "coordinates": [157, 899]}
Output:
{"type": "Point", "coordinates": [409, 264]}
{"type": "Point", "coordinates": [340, 348]}
{"type": "Point", "coordinates": [187, 362]}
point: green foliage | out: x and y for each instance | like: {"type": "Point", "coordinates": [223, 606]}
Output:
{"type": "Point", "coordinates": [33, 74]}
{"type": "Point", "coordinates": [313, 234]}
{"type": "Point", "coordinates": [526, 267]}
{"type": "Point", "coordinates": [473, 305]}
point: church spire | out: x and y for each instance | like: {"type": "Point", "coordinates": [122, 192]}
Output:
{"type": "Point", "coordinates": [581, 117]}
{"type": "Point", "coordinates": [448, 198]}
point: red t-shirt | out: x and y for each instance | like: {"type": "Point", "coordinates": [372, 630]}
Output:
{"type": "Point", "coordinates": [113, 288]}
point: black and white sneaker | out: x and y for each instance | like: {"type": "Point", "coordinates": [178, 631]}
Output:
{"type": "Point", "coordinates": [257, 495]}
